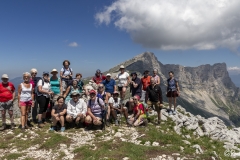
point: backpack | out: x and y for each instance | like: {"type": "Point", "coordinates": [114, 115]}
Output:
{"type": "Point", "coordinates": [64, 70]}
{"type": "Point", "coordinates": [36, 80]}
{"type": "Point", "coordinates": [103, 110]}
{"type": "Point", "coordinates": [175, 81]}
{"type": "Point", "coordinates": [103, 97]}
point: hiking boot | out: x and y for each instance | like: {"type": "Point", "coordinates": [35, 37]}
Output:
{"type": "Point", "coordinates": [174, 112]}
{"type": "Point", "coordinates": [116, 122]}
{"type": "Point", "coordinates": [12, 127]}
{"type": "Point", "coordinates": [53, 128]}
{"type": "Point", "coordinates": [40, 125]}
{"type": "Point", "coordinates": [27, 127]}
{"type": "Point", "coordinates": [145, 122]}
{"type": "Point", "coordinates": [170, 112]}
{"type": "Point", "coordinates": [107, 123]}
{"type": "Point", "coordinates": [23, 129]}
{"type": "Point", "coordinates": [62, 129]}
{"type": "Point", "coordinates": [4, 126]}
{"type": "Point", "coordinates": [159, 122]}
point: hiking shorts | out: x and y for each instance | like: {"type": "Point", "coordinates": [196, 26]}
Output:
{"type": "Point", "coordinates": [24, 104]}
{"type": "Point", "coordinates": [155, 104]}
{"type": "Point", "coordinates": [120, 88]}
{"type": "Point", "coordinates": [6, 105]}
{"type": "Point", "coordinates": [172, 94]}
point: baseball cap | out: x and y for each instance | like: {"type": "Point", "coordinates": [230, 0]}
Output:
{"type": "Point", "coordinates": [108, 74]}
{"type": "Point", "coordinates": [46, 72]}
{"type": "Point", "coordinates": [92, 91]}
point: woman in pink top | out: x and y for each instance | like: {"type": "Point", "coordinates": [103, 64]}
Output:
{"type": "Point", "coordinates": [34, 109]}
{"type": "Point", "coordinates": [156, 77]}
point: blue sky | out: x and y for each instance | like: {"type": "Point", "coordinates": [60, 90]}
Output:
{"type": "Point", "coordinates": [38, 34]}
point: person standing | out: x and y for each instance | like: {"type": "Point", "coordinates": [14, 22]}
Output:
{"type": "Point", "coordinates": [154, 97]}
{"type": "Point", "coordinates": [56, 86]}
{"type": "Point", "coordinates": [135, 85]}
{"type": "Point", "coordinates": [25, 99]}
{"type": "Point", "coordinates": [34, 79]}
{"type": "Point", "coordinates": [66, 75]}
{"type": "Point", "coordinates": [124, 80]}
{"type": "Point", "coordinates": [72, 88]}
{"type": "Point", "coordinates": [7, 95]}
{"type": "Point", "coordinates": [156, 77]}
{"type": "Point", "coordinates": [145, 83]}
{"type": "Point", "coordinates": [43, 97]}
{"type": "Point", "coordinates": [173, 92]}
{"type": "Point", "coordinates": [99, 77]}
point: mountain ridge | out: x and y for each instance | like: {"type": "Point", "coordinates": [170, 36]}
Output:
{"type": "Point", "coordinates": [206, 89]}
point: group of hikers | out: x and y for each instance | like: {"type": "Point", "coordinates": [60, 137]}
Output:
{"type": "Point", "coordinates": [61, 96]}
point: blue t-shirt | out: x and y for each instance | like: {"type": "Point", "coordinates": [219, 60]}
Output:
{"type": "Point", "coordinates": [109, 85]}
{"type": "Point", "coordinates": [172, 84]}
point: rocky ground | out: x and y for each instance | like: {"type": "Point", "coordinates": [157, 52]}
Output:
{"type": "Point", "coordinates": [179, 137]}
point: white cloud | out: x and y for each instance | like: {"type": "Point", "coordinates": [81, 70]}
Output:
{"type": "Point", "coordinates": [73, 44]}
{"type": "Point", "coordinates": [234, 70]}
{"type": "Point", "coordinates": [182, 24]}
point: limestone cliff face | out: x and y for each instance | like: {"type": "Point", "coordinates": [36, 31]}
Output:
{"type": "Point", "coordinates": [206, 90]}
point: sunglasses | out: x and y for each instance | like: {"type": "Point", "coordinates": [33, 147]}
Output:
{"type": "Point", "coordinates": [100, 87]}
{"type": "Point", "coordinates": [46, 75]}
{"type": "Point", "coordinates": [34, 73]}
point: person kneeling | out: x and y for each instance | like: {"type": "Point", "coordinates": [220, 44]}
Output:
{"type": "Point", "coordinates": [76, 109]}
{"type": "Point", "coordinates": [58, 113]}
{"type": "Point", "coordinates": [94, 110]}
{"type": "Point", "coordinates": [138, 117]}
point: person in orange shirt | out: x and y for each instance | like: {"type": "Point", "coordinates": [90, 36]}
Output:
{"type": "Point", "coordinates": [146, 81]}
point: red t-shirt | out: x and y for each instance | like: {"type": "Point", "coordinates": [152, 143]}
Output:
{"type": "Point", "coordinates": [137, 107]}
{"type": "Point", "coordinates": [99, 79]}
{"type": "Point", "coordinates": [146, 81]}
{"type": "Point", "coordinates": [6, 92]}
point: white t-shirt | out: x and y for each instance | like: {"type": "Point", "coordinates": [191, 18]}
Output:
{"type": "Point", "coordinates": [46, 87]}
{"type": "Point", "coordinates": [67, 71]}
{"type": "Point", "coordinates": [115, 104]}
{"type": "Point", "coordinates": [123, 78]}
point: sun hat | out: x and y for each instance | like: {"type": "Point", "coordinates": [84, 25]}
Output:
{"type": "Point", "coordinates": [75, 93]}
{"type": "Point", "coordinates": [5, 76]}
{"type": "Point", "coordinates": [54, 70]}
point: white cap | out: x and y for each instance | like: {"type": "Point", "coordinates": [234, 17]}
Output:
{"type": "Point", "coordinates": [108, 74]}
{"type": "Point", "coordinates": [122, 66]}
{"type": "Point", "coordinates": [5, 76]}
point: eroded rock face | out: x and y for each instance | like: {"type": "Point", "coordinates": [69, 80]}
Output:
{"type": "Point", "coordinates": [206, 90]}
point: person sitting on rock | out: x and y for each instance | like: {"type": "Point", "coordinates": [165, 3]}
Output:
{"type": "Point", "coordinates": [25, 98]}
{"type": "Point", "coordinates": [81, 84]}
{"type": "Point", "coordinates": [66, 75]}
{"type": "Point", "coordinates": [58, 114]}
{"type": "Point", "coordinates": [173, 92]}
{"type": "Point", "coordinates": [130, 105]}
{"type": "Point", "coordinates": [138, 116]}
{"type": "Point", "coordinates": [135, 85]}
{"type": "Point", "coordinates": [103, 95]}
{"type": "Point", "coordinates": [154, 97]}
{"type": "Point", "coordinates": [110, 85]}
{"type": "Point", "coordinates": [116, 107]}
{"type": "Point", "coordinates": [7, 95]}
{"type": "Point", "coordinates": [124, 80]}
{"type": "Point", "coordinates": [76, 109]}
{"type": "Point", "coordinates": [99, 77]}
{"type": "Point", "coordinates": [72, 88]}
{"type": "Point", "coordinates": [155, 76]}
{"type": "Point", "coordinates": [95, 108]}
